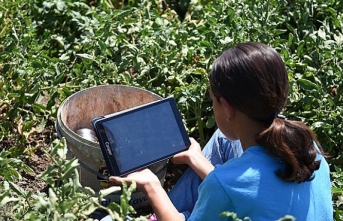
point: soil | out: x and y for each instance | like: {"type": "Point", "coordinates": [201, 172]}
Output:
{"type": "Point", "coordinates": [38, 160]}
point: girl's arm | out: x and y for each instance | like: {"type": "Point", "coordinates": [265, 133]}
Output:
{"type": "Point", "coordinates": [161, 204]}
{"type": "Point", "coordinates": [149, 184]}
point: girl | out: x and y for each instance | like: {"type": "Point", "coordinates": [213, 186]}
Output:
{"type": "Point", "coordinates": [282, 170]}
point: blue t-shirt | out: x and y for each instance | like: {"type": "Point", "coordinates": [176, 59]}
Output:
{"type": "Point", "coordinates": [249, 187]}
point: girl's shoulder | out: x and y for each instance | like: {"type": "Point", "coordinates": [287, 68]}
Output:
{"type": "Point", "coordinates": [253, 163]}
{"type": "Point", "coordinates": [252, 157]}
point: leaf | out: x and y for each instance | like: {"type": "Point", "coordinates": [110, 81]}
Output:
{"type": "Point", "coordinates": [172, 42]}
{"type": "Point", "coordinates": [8, 200]}
{"type": "Point", "coordinates": [226, 40]}
{"type": "Point", "coordinates": [321, 34]}
{"type": "Point", "coordinates": [89, 209]}
{"type": "Point", "coordinates": [27, 169]}
{"type": "Point", "coordinates": [17, 189]}
{"type": "Point", "coordinates": [38, 108]}
{"type": "Point", "coordinates": [52, 99]}
{"type": "Point", "coordinates": [13, 172]}
{"type": "Point", "coordinates": [289, 27]}
{"type": "Point", "coordinates": [210, 122]}
{"type": "Point", "coordinates": [339, 38]}
{"type": "Point", "coordinates": [41, 203]}
{"type": "Point", "coordinates": [61, 149]}
{"type": "Point", "coordinates": [60, 5]}
{"type": "Point", "coordinates": [161, 21]}
{"type": "Point", "coordinates": [69, 216]}
{"type": "Point", "coordinates": [67, 205]}
{"type": "Point", "coordinates": [64, 57]}
{"type": "Point", "coordinates": [307, 57]}
{"type": "Point", "coordinates": [87, 56]}
{"type": "Point", "coordinates": [69, 168]}
{"type": "Point", "coordinates": [5, 68]}
{"type": "Point", "coordinates": [67, 92]}
{"type": "Point", "coordinates": [182, 100]}
{"type": "Point", "coordinates": [41, 125]}
{"type": "Point", "coordinates": [27, 126]}
{"type": "Point", "coordinates": [52, 197]}
{"type": "Point", "coordinates": [318, 124]}
{"type": "Point", "coordinates": [300, 48]}
{"type": "Point", "coordinates": [308, 85]}
{"type": "Point", "coordinates": [336, 190]}
{"type": "Point", "coordinates": [110, 190]}
{"type": "Point", "coordinates": [89, 190]}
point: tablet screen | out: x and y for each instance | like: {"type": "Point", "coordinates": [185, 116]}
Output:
{"type": "Point", "coordinates": [145, 135]}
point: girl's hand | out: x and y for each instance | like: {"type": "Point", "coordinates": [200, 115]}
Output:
{"type": "Point", "coordinates": [194, 158]}
{"type": "Point", "coordinates": [184, 157]}
{"type": "Point", "coordinates": [144, 179]}
{"type": "Point", "coordinates": [149, 184]}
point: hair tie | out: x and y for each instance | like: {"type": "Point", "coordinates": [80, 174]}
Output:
{"type": "Point", "coordinates": [283, 117]}
{"type": "Point", "coordinates": [271, 117]}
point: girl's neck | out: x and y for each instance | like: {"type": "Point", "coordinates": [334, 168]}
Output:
{"type": "Point", "coordinates": [247, 130]}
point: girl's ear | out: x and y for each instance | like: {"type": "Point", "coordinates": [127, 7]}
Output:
{"type": "Point", "coordinates": [229, 109]}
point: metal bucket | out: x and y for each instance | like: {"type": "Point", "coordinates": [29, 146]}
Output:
{"type": "Point", "coordinates": [77, 111]}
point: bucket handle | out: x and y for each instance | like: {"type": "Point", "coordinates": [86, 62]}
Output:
{"type": "Point", "coordinates": [59, 134]}
{"type": "Point", "coordinates": [58, 130]}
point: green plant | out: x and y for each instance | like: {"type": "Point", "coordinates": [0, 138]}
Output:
{"type": "Point", "coordinates": [49, 49]}
{"type": "Point", "coordinates": [233, 217]}
{"type": "Point", "coordinates": [11, 168]}
{"type": "Point", "coordinates": [337, 192]}
{"type": "Point", "coordinates": [65, 199]}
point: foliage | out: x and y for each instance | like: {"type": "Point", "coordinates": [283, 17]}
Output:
{"type": "Point", "coordinates": [233, 217]}
{"type": "Point", "coordinates": [66, 199]}
{"type": "Point", "coordinates": [337, 191]}
{"type": "Point", "coordinates": [50, 49]}
{"type": "Point", "coordinates": [11, 168]}
{"type": "Point", "coordinates": [53, 48]}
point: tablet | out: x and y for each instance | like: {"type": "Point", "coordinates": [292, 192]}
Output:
{"type": "Point", "coordinates": [141, 136]}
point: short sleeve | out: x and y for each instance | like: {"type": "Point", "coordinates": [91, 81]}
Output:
{"type": "Point", "coordinates": [213, 200]}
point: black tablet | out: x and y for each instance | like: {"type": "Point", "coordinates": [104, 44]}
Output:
{"type": "Point", "coordinates": [141, 136]}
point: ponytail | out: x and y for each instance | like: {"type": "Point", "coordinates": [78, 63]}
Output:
{"type": "Point", "coordinates": [293, 143]}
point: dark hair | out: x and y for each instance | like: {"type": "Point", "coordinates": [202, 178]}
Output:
{"type": "Point", "coordinates": [253, 78]}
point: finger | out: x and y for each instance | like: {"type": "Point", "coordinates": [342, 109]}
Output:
{"type": "Point", "coordinates": [194, 143]}
{"type": "Point", "coordinates": [192, 140]}
{"type": "Point", "coordinates": [119, 180]}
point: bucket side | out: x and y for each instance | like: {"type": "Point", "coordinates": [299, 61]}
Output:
{"type": "Point", "coordinates": [87, 104]}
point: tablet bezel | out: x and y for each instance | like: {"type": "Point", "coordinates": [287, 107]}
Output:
{"type": "Point", "coordinates": [106, 148]}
